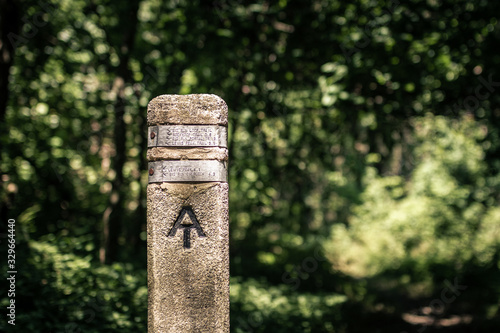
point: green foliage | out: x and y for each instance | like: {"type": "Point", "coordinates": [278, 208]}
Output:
{"type": "Point", "coordinates": [439, 215]}
{"type": "Point", "coordinates": [258, 307]}
{"type": "Point", "coordinates": [61, 292]}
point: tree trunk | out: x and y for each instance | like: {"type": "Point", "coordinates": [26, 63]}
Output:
{"type": "Point", "coordinates": [9, 29]}
{"type": "Point", "coordinates": [113, 224]}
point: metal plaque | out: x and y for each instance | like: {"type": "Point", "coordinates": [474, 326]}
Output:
{"type": "Point", "coordinates": [187, 136]}
{"type": "Point", "coordinates": [187, 171]}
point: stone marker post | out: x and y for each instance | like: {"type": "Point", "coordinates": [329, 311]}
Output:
{"type": "Point", "coordinates": [187, 207]}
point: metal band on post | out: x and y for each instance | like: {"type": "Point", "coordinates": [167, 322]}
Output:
{"type": "Point", "coordinates": [188, 221]}
{"type": "Point", "coordinates": [187, 136]}
{"type": "Point", "coordinates": [187, 171]}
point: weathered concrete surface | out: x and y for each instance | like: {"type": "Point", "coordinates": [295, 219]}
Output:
{"type": "Point", "coordinates": [203, 109]}
{"type": "Point", "coordinates": [167, 153]}
{"type": "Point", "coordinates": [188, 287]}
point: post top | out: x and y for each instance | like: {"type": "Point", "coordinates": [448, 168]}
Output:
{"type": "Point", "coordinates": [195, 109]}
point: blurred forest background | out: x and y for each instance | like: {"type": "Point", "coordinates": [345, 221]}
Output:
{"type": "Point", "coordinates": [364, 158]}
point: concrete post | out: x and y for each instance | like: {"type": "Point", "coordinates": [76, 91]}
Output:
{"type": "Point", "coordinates": [187, 208]}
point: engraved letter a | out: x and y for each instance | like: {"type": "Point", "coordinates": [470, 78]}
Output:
{"type": "Point", "coordinates": [187, 225]}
